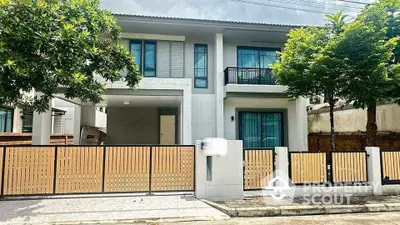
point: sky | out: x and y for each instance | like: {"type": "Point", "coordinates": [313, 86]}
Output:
{"type": "Point", "coordinates": [264, 11]}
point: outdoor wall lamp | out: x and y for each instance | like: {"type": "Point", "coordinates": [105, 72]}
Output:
{"type": "Point", "coordinates": [232, 118]}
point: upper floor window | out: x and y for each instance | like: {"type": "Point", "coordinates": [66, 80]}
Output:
{"type": "Point", "coordinates": [256, 57]}
{"type": "Point", "coordinates": [200, 66]}
{"type": "Point", "coordinates": [145, 56]}
{"type": "Point", "coordinates": [6, 119]}
{"type": "Point", "coordinates": [27, 121]}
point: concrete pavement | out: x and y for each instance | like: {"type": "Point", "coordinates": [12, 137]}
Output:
{"type": "Point", "coordinates": [344, 219]}
{"type": "Point", "coordinates": [106, 209]}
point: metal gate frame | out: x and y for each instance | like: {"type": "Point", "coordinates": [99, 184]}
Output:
{"type": "Point", "coordinates": [150, 191]}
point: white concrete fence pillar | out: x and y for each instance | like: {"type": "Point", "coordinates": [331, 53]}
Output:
{"type": "Point", "coordinates": [41, 127]}
{"type": "Point", "coordinates": [374, 169]}
{"type": "Point", "coordinates": [220, 177]}
{"type": "Point", "coordinates": [77, 124]}
{"type": "Point", "coordinates": [282, 164]}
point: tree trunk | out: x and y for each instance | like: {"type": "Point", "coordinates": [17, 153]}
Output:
{"type": "Point", "coordinates": [372, 128]}
{"type": "Point", "coordinates": [331, 108]}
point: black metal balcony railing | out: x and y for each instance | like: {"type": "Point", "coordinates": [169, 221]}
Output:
{"type": "Point", "coordinates": [235, 75]}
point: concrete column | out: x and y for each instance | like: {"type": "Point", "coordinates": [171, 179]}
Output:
{"type": "Point", "coordinates": [201, 173]}
{"type": "Point", "coordinates": [77, 124]}
{"type": "Point", "coordinates": [186, 114]}
{"type": "Point", "coordinates": [374, 169]}
{"type": "Point", "coordinates": [302, 129]}
{"type": "Point", "coordinates": [88, 116]}
{"type": "Point", "coordinates": [219, 83]}
{"type": "Point", "coordinates": [41, 127]}
{"type": "Point", "coordinates": [226, 173]}
{"type": "Point", "coordinates": [282, 164]}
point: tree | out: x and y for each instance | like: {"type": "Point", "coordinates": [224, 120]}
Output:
{"type": "Point", "coordinates": [306, 65]}
{"type": "Point", "coordinates": [46, 45]}
{"type": "Point", "coordinates": [369, 45]}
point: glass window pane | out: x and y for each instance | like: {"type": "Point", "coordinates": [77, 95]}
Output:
{"type": "Point", "coordinates": [260, 129]}
{"type": "Point", "coordinates": [136, 51]}
{"type": "Point", "coordinates": [200, 83]}
{"type": "Point", "coordinates": [150, 59]}
{"type": "Point", "coordinates": [6, 120]}
{"type": "Point", "coordinates": [256, 57]}
{"type": "Point", "coordinates": [27, 123]}
{"type": "Point", "coordinates": [200, 66]}
{"type": "Point", "coordinates": [3, 116]}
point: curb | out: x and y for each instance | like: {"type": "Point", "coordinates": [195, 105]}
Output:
{"type": "Point", "coordinates": [304, 209]}
{"type": "Point", "coordinates": [144, 220]}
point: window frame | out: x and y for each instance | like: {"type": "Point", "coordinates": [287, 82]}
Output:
{"type": "Point", "coordinates": [142, 54]}
{"type": "Point", "coordinates": [260, 122]}
{"type": "Point", "coordinates": [24, 115]}
{"type": "Point", "coordinates": [144, 57]}
{"type": "Point", "coordinates": [194, 66]}
{"type": "Point", "coordinates": [12, 119]}
{"type": "Point", "coordinates": [259, 49]}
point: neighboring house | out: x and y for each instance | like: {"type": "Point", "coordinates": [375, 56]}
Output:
{"type": "Point", "coordinates": [14, 120]}
{"type": "Point", "coordinates": [201, 78]}
{"type": "Point", "coordinates": [350, 127]}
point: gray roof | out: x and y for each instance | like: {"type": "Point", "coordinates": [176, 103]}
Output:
{"type": "Point", "coordinates": [207, 20]}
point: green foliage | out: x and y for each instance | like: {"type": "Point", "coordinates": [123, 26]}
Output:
{"type": "Point", "coordinates": [369, 45]}
{"type": "Point", "coordinates": [306, 65]}
{"type": "Point", "coordinates": [48, 44]}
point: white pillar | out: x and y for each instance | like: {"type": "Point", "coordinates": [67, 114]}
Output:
{"type": "Point", "coordinates": [282, 164]}
{"type": "Point", "coordinates": [374, 169]}
{"type": "Point", "coordinates": [186, 114]}
{"type": "Point", "coordinates": [226, 173]}
{"type": "Point", "coordinates": [77, 124]}
{"type": "Point", "coordinates": [219, 83]}
{"type": "Point", "coordinates": [201, 173]}
{"type": "Point", "coordinates": [302, 129]}
{"type": "Point", "coordinates": [41, 127]}
{"type": "Point", "coordinates": [88, 116]}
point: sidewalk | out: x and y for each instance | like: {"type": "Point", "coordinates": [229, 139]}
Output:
{"type": "Point", "coordinates": [265, 206]}
{"type": "Point", "coordinates": [107, 209]}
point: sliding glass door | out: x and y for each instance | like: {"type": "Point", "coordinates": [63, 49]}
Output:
{"type": "Point", "coordinates": [253, 64]}
{"type": "Point", "coordinates": [261, 129]}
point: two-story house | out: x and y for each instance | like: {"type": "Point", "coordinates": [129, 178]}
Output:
{"type": "Point", "coordinates": [201, 78]}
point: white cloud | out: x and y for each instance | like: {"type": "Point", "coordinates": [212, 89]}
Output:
{"type": "Point", "coordinates": [237, 11]}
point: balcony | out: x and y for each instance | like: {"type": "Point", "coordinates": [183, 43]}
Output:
{"type": "Point", "coordinates": [254, 76]}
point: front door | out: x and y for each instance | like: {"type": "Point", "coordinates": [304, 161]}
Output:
{"type": "Point", "coordinates": [167, 129]}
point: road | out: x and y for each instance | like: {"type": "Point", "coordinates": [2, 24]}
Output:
{"type": "Point", "coordinates": [339, 219]}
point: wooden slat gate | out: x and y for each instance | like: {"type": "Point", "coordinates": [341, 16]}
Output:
{"type": "Point", "coordinates": [47, 170]}
{"type": "Point", "coordinates": [308, 168]}
{"type": "Point", "coordinates": [390, 166]}
{"type": "Point", "coordinates": [258, 168]}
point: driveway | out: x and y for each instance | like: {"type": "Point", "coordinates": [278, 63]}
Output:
{"type": "Point", "coordinates": [72, 209]}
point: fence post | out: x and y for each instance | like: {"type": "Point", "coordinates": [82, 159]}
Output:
{"type": "Point", "coordinates": [374, 169]}
{"type": "Point", "coordinates": [282, 163]}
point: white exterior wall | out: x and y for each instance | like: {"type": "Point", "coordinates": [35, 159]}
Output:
{"type": "Point", "coordinates": [355, 120]}
{"type": "Point", "coordinates": [296, 117]}
{"type": "Point", "coordinates": [128, 125]}
{"type": "Point", "coordinates": [203, 116]}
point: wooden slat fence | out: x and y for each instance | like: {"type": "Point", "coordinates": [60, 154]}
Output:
{"type": "Point", "coordinates": [390, 162]}
{"type": "Point", "coordinates": [45, 170]}
{"type": "Point", "coordinates": [127, 169]}
{"type": "Point", "coordinates": [172, 169]}
{"type": "Point", "coordinates": [79, 170]}
{"type": "Point", "coordinates": [308, 167]}
{"type": "Point", "coordinates": [349, 167]}
{"type": "Point", "coordinates": [258, 168]}
{"type": "Point", "coordinates": [28, 170]}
